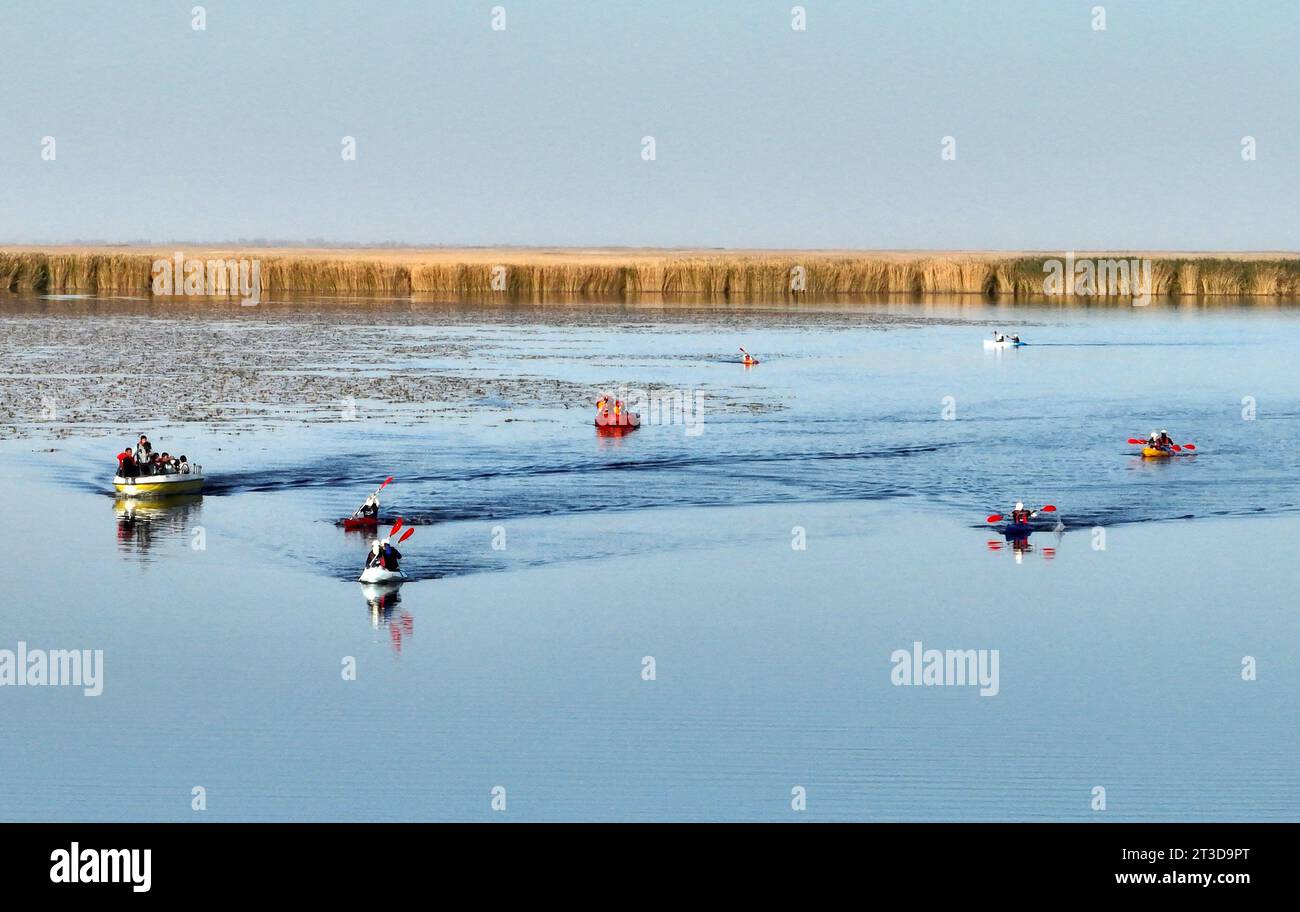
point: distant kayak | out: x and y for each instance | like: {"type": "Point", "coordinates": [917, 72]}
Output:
{"type": "Point", "coordinates": [1005, 343]}
{"type": "Point", "coordinates": [1016, 530]}
{"type": "Point", "coordinates": [380, 575]}
{"type": "Point", "coordinates": [361, 522]}
{"type": "Point", "coordinates": [1151, 452]}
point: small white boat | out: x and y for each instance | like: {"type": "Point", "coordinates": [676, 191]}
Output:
{"type": "Point", "coordinates": [190, 482]}
{"type": "Point", "coordinates": [1005, 343]}
{"type": "Point", "coordinates": [380, 575]}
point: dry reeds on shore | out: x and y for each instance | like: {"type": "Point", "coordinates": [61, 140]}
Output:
{"type": "Point", "coordinates": [558, 274]}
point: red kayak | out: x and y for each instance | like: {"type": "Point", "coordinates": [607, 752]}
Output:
{"type": "Point", "coordinates": [608, 423]}
{"type": "Point", "coordinates": [361, 522]}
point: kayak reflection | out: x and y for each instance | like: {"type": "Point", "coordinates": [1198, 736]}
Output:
{"type": "Point", "coordinates": [1019, 545]}
{"type": "Point", "coordinates": [382, 601]}
{"type": "Point", "coordinates": [140, 519]}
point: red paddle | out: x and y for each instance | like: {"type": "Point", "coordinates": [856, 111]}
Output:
{"type": "Point", "coordinates": [1176, 447]}
{"type": "Point", "coordinates": [397, 525]}
{"type": "Point", "coordinates": [996, 517]}
{"type": "Point", "coordinates": [405, 535]}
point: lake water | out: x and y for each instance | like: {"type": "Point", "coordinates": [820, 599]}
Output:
{"type": "Point", "coordinates": [549, 563]}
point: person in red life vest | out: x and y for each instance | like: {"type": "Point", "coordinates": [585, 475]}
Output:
{"type": "Point", "coordinates": [1020, 516]}
{"type": "Point", "coordinates": [126, 466]}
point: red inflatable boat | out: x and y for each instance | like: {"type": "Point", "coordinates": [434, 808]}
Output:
{"type": "Point", "coordinates": [612, 425]}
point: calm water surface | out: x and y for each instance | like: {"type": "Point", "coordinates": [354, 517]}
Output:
{"type": "Point", "coordinates": [521, 666]}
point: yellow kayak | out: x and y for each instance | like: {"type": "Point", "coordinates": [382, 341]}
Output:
{"type": "Point", "coordinates": [1156, 453]}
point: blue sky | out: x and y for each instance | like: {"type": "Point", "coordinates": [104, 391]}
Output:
{"type": "Point", "coordinates": [1067, 138]}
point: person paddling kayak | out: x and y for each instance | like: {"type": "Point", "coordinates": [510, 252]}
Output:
{"type": "Point", "coordinates": [368, 513]}
{"type": "Point", "coordinates": [383, 554]}
{"type": "Point", "coordinates": [1159, 445]}
{"type": "Point", "coordinates": [612, 417]}
{"type": "Point", "coordinates": [1017, 520]}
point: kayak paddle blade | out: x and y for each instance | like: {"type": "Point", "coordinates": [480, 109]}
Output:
{"type": "Point", "coordinates": [996, 517]}
{"type": "Point", "coordinates": [1047, 508]}
{"type": "Point", "coordinates": [405, 535]}
{"type": "Point", "coordinates": [397, 525]}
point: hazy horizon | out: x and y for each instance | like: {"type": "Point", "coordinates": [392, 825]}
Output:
{"type": "Point", "coordinates": [1066, 137]}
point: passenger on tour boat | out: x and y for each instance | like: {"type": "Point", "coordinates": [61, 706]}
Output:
{"type": "Point", "coordinates": [142, 460]}
{"type": "Point", "coordinates": [126, 464]}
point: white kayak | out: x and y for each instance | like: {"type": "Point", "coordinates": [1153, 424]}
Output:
{"type": "Point", "coordinates": [380, 575]}
{"type": "Point", "coordinates": [1005, 343]}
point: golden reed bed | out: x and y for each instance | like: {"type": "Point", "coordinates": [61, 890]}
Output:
{"type": "Point", "coordinates": [565, 273]}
